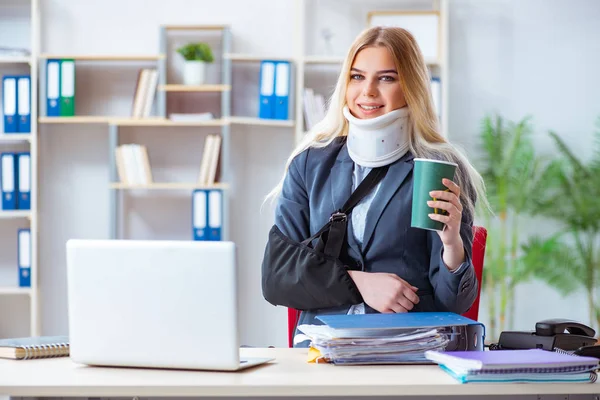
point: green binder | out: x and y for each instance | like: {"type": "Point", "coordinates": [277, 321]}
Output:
{"type": "Point", "coordinates": [67, 88]}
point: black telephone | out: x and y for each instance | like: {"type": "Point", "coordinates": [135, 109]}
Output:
{"type": "Point", "coordinates": [550, 334]}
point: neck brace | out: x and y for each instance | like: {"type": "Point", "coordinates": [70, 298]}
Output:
{"type": "Point", "coordinates": [378, 141]}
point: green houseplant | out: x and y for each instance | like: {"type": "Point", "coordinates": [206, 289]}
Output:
{"type": "Point", "coordinates": [196, 56]}
{"type": "Point", "coordinates": [574, 202]}
{"type": "Point", "coordinates": [517, 180]}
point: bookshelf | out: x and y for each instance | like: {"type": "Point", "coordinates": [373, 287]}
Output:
{"type": "Point", "coordinates": [161, 121]}
{"type": "Point", "coordinates": [24, 142]}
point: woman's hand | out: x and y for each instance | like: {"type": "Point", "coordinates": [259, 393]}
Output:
{"type": "Point", "coordinates": [454, 253]}
{"type": "Point", "coordinates": [386, 293]}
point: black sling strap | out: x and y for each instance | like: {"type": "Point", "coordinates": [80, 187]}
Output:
{"type": "Point", "coordinates": [334, 239]}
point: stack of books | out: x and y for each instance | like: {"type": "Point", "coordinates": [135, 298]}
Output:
{"type": "Point", "coordinates": [533, 365]}
{"type": "Point", "coordinates": [145, 91]}
{"type": "Point", "coordinates": [133, 164]}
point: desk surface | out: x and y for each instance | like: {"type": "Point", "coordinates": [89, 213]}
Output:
{"type": "Point", "coordinates": [288, 375]}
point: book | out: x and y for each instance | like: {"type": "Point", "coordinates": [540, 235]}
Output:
{"type": "Point", "coordinates": [513, 361]}
{"type": "Point", "coordinates": [581, 377]}
{"type": "Point", "coordinates": [34, 347]}
{"type": "Point", "coordinates": [534, 365]}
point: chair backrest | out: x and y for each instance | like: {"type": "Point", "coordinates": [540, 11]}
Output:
{"type": "Point", "coordinates": [478, 253]}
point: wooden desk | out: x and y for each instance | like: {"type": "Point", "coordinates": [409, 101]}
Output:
{"type": "Point", "coordinates": [290, 375]}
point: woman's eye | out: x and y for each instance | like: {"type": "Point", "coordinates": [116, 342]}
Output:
{"type": "Point", "coordinates": [387, 78]}
{"type": "Point", "coordinates": [356, 76]}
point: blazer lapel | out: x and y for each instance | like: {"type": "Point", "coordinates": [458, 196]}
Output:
{"type": "Point", "coordinates": [341, 178]}
{"type": "Point", "coordinates": [390, 184]}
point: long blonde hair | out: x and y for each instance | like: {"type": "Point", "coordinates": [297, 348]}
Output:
{"type": "Point", "coordinates": [425, 141]}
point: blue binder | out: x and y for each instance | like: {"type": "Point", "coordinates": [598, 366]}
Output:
{"type": "Point", "coordinates": [8, 180]}
{"type": "Point", "coordinates": [215, 214]}
{"type": "Point", "coordinates": [395, 321]}
{"type": "Point", "coordinates": [282, 89]}
{"type": "Point", "coordinates": [267, 90]}
{"type": "Point", "coordinates": [464, 333]}
{"type": "Point", "coordinates": [9, 104]}
{"type": "Point", "coordinates": [23, 180]}
{"type": "Point", "coordinates": [24, 104]}
{"type": "Point", "coordinates": [24, 257]}
{"type": "Point", "coordinates": [200, 214]}
{"type": "Point", "coordinates": [53, 88]}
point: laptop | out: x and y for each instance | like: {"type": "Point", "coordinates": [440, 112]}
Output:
{"type": "Point", "coordinates": [155, 304]}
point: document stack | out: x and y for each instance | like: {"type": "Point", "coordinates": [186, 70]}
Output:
{"type": "Point", "coordinates": [534, 365]}
{"type": "Point", "coordinates": [390, 338]}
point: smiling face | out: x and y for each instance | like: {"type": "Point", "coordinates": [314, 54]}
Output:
{"type": "Point", "coordinates": [374, 87]}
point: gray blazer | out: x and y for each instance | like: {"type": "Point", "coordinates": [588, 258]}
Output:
{"type": "Point", "coordinates": [319, 181]}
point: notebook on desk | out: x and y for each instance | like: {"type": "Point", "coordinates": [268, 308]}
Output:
{"type": "Point", "coordinates": [34, 347]}
{"type": "Point", "coordinates": [533, 365]}
{"type": "Point", "coordinates": [162, 304]}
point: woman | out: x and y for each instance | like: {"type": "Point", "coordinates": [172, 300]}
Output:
{"type": "Point", "coordinates": [381, 113]}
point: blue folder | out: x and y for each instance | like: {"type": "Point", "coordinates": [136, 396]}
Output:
{"type": "Point", "coordinates": [24, 104]}
{"type": "Point", "coordinates": [8, 180]}
{"type": "Point", "coordinates": [395, 321]}
{"type": "Point", "coordinates": [9, 103]}
{"type": "Point", "coordinates": [266, 98]}
{"type": "Point", "coordinates": [282, 89]}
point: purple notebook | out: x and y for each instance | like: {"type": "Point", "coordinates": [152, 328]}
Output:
{"type": "Point", "coordinates": [512, 361]}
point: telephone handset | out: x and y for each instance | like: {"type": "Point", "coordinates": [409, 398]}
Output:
{"type": "Point", "coordinates": [550, 334]}
{"type": "Point", "coordinates": [550, 327]}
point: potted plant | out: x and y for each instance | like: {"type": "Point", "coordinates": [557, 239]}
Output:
{"type": "Point", "coordinates": [196, 55]}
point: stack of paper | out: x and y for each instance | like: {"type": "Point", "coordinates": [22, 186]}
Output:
{"type": "Point", "coordinates": [407, 347]}
{"type": "Point", "coordinates": [534, 365]}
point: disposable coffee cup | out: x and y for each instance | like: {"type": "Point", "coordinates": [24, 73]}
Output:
{"type": "Point", "coordinates": [427, 176]}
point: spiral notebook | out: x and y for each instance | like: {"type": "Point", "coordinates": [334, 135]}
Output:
{"type": "Point", "coordinates": [34, 347]}
{"type": "Point", "coordinates": [533, 365]}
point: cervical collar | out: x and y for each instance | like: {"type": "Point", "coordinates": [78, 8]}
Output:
{"type": "Point", "coordinates": [378, 141]}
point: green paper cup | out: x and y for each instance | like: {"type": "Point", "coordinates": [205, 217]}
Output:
{"type": "Point", "coordinates": [427, 176]}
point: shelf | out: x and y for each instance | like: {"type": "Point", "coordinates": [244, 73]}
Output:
{"type": "Point", "coordinates": [105, 57]}
{"type": "Point", "coordinates": [167, 186]}
{"type": "Point", "coordinates": [254, 58]}
{"type": "Point", "coordinates": [166, 122]}
{"type": "Point", "coordinates": [340, 60]}
{"type": "Point", "coordinates": [12, 214]}
{"type": "Point", "coordinates": [194, 88]}
{"type": "Point", "coordinates": [195, 27]}
{"type": "Point", "coordinates": [15, 60]}
{"type": "Point", "coordinates": [323, 60]}
{"type": "Point", "coordinates": [93, 119]}
{"type": "Point", "coordinates": [128, 121]}
{"type": "Point", "coordinates": [14, 137]}
{"type": "Point", "coordinates": [261, 121]}
{"type": "Point", "coordinates": [15, 290]}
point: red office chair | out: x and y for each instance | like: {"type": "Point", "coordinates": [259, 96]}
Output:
{"type": "Point", "coordinates": [479, 241]}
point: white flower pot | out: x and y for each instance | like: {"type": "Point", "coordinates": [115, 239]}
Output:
{"type": "Point", "coordinates": [194, 72]}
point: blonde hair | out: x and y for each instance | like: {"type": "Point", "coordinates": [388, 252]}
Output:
{"type": "Point", "coordinates": [425, 140]}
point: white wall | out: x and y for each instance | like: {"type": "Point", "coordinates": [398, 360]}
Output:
{"type": "Point", "coordinates": [514, 57]}
{"type": "Point", "coordinates": [521, 58]}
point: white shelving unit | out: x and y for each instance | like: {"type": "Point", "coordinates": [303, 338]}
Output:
{"type": "Point", "coordinates": [32, 141]}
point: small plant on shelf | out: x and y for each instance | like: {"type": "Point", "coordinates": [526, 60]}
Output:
{"type": "Point", "coordinates": [196, 56]}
